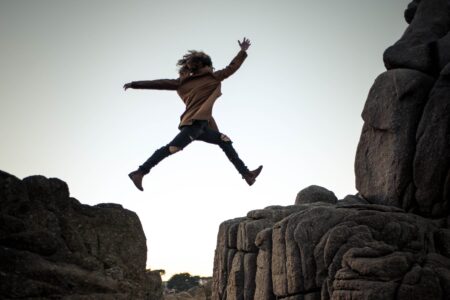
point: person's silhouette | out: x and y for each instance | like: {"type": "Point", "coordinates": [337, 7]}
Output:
{"type": "Point", "coordinates": [199, 86]}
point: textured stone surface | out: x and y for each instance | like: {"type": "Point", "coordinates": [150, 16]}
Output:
{"type": "Point", "coordinates": [315, 193]}
{"type": "Point", "coordinates": [323, 251]}
{"type": "Point", "coordinates": [53, 246]}
{"type": "Point", "coordinates": [432, 157]}
{"type": "Point", "coordinates": [385, 154]}
{"type": "Point", "coordinates": [237, 261]}
{"type": "Point", "coordinates": [420, 48]}
{"type": "Point", "coordinates": [403, 156]}
{"type": "Point", "coordinates": [264, 265]}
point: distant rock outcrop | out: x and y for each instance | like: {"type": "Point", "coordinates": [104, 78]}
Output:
{"type": "Point", "coordinates": [392, 240]}
{"type": "Point", "coordinates": [53, 247]}
{"type": "Point", "coordinates": [201, 292]}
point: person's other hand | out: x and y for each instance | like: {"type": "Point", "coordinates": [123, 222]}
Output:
{"type": "Point", "coordinates": [245, 44]}
{"type": "Point", "coordinates": [127, 86]}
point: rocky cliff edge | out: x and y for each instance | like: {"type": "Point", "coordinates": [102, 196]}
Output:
{"type": "Point", "coordinates": [54, 247]}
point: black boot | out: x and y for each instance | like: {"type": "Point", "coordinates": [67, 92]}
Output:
{"type": "Point", "coordinates": [136, 177]}
{"type": "Point", "coordinates": [250, 177]}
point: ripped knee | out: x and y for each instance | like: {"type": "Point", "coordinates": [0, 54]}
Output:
{"type": "Point", "coordinates": [174, 149]}
{"type": "Point", "coordinates": [225, 138]}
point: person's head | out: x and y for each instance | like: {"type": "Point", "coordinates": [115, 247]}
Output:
{"type": "Point", "coordinates": [194, 61]}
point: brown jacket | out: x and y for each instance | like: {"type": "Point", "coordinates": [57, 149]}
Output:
{"type": "Point", "coordinates": [198, 91]}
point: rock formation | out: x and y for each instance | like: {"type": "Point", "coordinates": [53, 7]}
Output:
{"type": "Point", "coordinates": [201, 292]}
{"type": "Point", "coordinates": [392, 240]}
{"type": "Point", "coordinates": [53, 247]}
{"type": "Point", "coordinates": [347, 250]}
{"type": "Point", "coordinates": [403, 157]}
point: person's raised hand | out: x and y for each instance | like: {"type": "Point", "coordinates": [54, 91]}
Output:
{"type": "Point", "coordinates": [126, 86]}
{"type": "Point", "coordinates": [245, 44]}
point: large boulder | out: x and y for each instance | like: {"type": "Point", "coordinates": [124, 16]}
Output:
{"type": "Point", "coordinates": [315, 193]}
{"type": "Point", "coordinates": [341, 251]}
{"type": "Point", "coordinates": [385, 154]}
{"type": "Point", "coordinates": [421, 47]}
{"type": "Point", "coordinates": [403, 156]}
{"type": "Point", "coordinates": [54, 247]}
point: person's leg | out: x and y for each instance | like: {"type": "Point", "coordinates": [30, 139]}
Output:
{"type": "Point", "coordinates": [186, 135]}
{"type": "Point", "coordinates": [224, 142]}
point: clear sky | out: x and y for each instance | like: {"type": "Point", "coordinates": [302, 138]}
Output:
{"type": "Point", "coordinates": [294, 106]}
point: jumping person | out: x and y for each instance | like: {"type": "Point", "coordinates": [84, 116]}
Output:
{"type": "Point", "coordinates": [198, 86]}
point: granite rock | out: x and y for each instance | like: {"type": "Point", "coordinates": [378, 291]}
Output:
{"type": "Point", "coordinates": [52, 246]}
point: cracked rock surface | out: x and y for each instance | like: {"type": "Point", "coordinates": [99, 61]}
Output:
{"type": "Point", "coordinates": [332, 251]}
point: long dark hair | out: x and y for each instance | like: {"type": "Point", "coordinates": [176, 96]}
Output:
{"type": "Point", "coordinates": [196, 57]}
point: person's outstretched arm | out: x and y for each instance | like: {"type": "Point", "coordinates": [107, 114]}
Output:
{"type": "Point", "coordinates": [159, 84]}
{"type": "Point", "coordinates": [236, 62]}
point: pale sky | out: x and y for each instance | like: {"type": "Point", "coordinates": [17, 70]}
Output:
{"type": "Point", "coordinates": [294, 106]}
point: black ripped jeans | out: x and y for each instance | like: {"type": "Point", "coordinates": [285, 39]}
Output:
{"type": "Point", "coordinates": [199, 130]}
